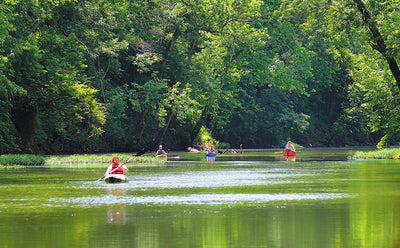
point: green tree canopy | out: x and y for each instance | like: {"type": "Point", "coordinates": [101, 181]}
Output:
{"type": "Point", "coordinates": [85, 75]}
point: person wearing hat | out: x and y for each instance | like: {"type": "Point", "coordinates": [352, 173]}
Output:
{"type": "Point", "coordinates": [160, 151]}
{"type": "Point", "coordinates": [289, 146]}
{"type": "Point", "coordinates": [211, 149]}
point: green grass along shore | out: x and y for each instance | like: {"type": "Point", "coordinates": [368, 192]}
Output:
{"type": "Point", "coordinates": [78, 160]}
{"type": "Point", "coordinates": [387, 153]}
{"type": "Point", "coordinates": [83, 160]}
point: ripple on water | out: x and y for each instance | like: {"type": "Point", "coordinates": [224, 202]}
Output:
{"type": "Point", "coordinates": [209, 179]}
{"type": "Point", "coordinates": [193, 199]}
{"type": "Point", "coordinates": [203, 179]}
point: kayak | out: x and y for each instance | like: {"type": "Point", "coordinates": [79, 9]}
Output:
{"type": "Point", "coordinates": [211, 154]}
{"type": "Point", "coordinates": [116, 178]}
{"type": "Point", "coordinates": [289, 153]}
{"type": "Point", "coordinates": [162, 156]}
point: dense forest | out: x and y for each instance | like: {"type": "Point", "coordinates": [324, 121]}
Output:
{"type": "Point", "coordinates": [120, 75]}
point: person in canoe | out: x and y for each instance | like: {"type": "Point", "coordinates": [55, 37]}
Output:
{"type": "Point", "coordinates": [161, 153]}
{"type": "Point", "coordinates": [116, 167]}
{"type": "Point", "coordinates": [192, 150]}
{"type": "Point", "coordinates": [211, 149]}
{"type": "Point", "coordinates": [289, 149]}
{"type": "Point", "coordinates": [211, 155]}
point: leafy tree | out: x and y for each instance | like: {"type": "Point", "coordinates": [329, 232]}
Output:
{"type": "Point", "coordinates": [59, 111]}
{"type": "Point", "coordinates": [85, 75]}
{"type": "Point", "coordinates": [383, 100]}
{"type": "Point", "coordinates": [355, 29]}
{"type": "Point", "coordinates": [8, 90]}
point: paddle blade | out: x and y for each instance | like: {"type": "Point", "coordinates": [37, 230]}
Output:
{"type": "Point", "coordinates": [140, 153]}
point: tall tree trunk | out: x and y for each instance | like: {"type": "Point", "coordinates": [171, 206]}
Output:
{"type": "Point", "coordinates": [378, 41]}
{"type": "Point", "coordinates": [142, 122]}
{"type": "Point", "coordinates": [170, 45]}
{"type": "Point", "coordinates": [160, 137]}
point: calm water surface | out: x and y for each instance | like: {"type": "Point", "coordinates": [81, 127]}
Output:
{"type": "Point", "coordinates": [319, 200]}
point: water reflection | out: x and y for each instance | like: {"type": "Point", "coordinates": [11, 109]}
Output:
{"type": "Point", "coordinates": [224, 204]}
{"type": "Point", "coordinates": [289, 158]}
{"type": "Point", "coordinates": [193, 199]}
{"type": "Point", "coordinates": [116, 212]}
{"type": "Point", "coordinates": [210, 158]}
{"type": "Point", "coordinates": [202, 187]}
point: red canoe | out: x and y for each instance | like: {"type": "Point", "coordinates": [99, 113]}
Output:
{"type": "Point", "coordinates": [289, 153]}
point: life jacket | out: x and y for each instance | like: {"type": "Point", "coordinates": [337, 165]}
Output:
{"type": "Point", "coordinates": [289, 147]}
{"type": "Point", "coordinates": [116, 171]}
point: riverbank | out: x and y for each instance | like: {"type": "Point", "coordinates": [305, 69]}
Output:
{"type": "Point", "coordinates": [99, 160]}
{"type": "Point", "coordinates": [388, 153]}
{"type": "Point", "coordinates": [22, 160]}
{"type": "Point", "coordinates": [78, 160]}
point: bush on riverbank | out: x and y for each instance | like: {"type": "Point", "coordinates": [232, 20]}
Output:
{"type": "Point", "coordinates": [99, 158]}
{"type": "Point", "coordinates": [22, 159]}
{"type": "Point", "coordinates": [393, 153]}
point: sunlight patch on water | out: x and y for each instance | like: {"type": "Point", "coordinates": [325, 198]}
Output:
{"type": "Point", "coordinates": [192, 199]}
{"type": "Point", "coordinates": [209, 179]}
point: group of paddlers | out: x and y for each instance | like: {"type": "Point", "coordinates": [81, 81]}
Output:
{"type": "Point", "coordinates": [194, 150]}
{"type": "Point", "coordinates": [117, 168]}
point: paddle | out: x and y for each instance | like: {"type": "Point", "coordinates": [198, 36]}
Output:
{"type": "Point", "coordinates": [136, 155]}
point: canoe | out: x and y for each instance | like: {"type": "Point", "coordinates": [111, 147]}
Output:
{"type": "Point", "coordinates": [116, 178]}
{"type": "Point", "coordinates": [289, 153]}
{"type": "Point", "coordinates": [211, 154]}
{"type": "Point", "coordinates": [162, 156]}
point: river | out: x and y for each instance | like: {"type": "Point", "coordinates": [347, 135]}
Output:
{"type": "Point", "coordinates": [319, 199]}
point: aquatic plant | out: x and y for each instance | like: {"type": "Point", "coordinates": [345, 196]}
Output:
{"type": "Point", "coordinates": [22, 159]}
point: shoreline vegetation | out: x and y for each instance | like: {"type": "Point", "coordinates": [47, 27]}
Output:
{"type": "Point", "coordinates": [22, 160]}
{"type": "Point", "coordinates": [77, 160]}
{"type": "Point", "coordinates": [99, 158]}
{"type": "Point", "coordinates": [387, 153]}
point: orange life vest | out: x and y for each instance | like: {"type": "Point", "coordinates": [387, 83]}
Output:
{"type": "Point", "coordinates": [116, 171]}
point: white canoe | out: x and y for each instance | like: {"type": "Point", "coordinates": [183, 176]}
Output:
{"type": "Point", "coordinates": [116, 178]}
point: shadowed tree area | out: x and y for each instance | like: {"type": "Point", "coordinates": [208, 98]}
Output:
{"type": "Point", "coordinates": [100, 76]}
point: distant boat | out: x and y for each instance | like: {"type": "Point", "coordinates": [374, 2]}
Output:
{"type": "Point", "coordinates": [211, 156]}
{"type": "Point", "coordinates": [116, 178]}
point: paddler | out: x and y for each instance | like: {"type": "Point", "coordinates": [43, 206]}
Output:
{"type": "Point", "coordinates": [289, 146]}
{"type": "Point", "coordinates": [160, 151]}
{"type": "Point", "coordinates": [211, 149]}
{"type": "Point", "coordinates": [116, 167]}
